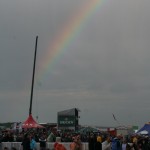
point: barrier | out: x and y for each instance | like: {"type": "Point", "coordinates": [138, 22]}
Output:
{"type": "Point", "coordinates": [49, 145]}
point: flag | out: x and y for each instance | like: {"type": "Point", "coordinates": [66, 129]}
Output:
{"type": "Point", "coordinates": [114, 117]}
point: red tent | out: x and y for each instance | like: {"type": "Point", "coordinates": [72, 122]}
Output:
{"type": "Point", "coordinates": [31, 123]}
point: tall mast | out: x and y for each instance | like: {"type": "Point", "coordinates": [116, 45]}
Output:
{"type": "Point", "coordinates": [32, 86]}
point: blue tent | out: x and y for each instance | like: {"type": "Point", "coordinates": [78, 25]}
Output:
{"type": "Point", "coordinates": [145, 129]}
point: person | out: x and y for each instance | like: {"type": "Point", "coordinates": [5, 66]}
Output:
{"type": "Point", "coordinates": [26, 142]}
{"type": "Point", "coordinates": [52, 136]}
{"type": "Point", "coordinates": [42, 141]}
{"type": "Point", "coordinates": [7, 137]}
{"type": "Point", "coordinates": [134, 146]}
{"type": "Point", "coordinates": [125, 145]}
{"type": "Point", "coordinates": [32, 143]}
{"type": "Point", "coordinates": [91, 141]}
{"type": "Point", "coordinates": [98, 144]}
{"type": "Point", "coordinates": [106, 145]}
{"type": "Point", "coordinates": [76, 144]}
{"type": "Point", "coordinates": [145, 144]}
{"type": "Point", "coordinates": [58, 145]}
{"type": "Point", "coordinates": [116, 145]}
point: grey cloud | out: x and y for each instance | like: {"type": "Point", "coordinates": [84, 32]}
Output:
{"type": "Point", "coordinates": [105, 67]}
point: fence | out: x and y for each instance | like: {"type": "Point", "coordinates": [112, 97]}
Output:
{"type": "Point", "coordinates": [49, 145]}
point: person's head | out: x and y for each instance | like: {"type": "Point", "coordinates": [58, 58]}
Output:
{"type": "Point", "coordinates": [124, 141]}
{"type": "Point", "coordinates": [75, 138]}
{"type": "Point", "coordinates": [108, 139]}
{"type": "Point", "coordinates": [26, 135]}
{"type": "Point", "coordinates": [58, 139]}
{"type": "Point", "coordinates": [134, 140]}
{"type": "Point", "coordinates": [119, 137]}
{"type": "Point", "coordinates": [99, 139]}
{"type": "Point", "coordinates": [91, 135]}
{"type": "Point", "coordinates": [54, 130]}
{"type": "Point", "coordinates": [32, 137]}
{"type": "Point", "coordinates": [78, 136]}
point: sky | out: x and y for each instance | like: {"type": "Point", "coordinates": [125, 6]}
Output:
{"type": "Point", "coordinates": [100, 65]}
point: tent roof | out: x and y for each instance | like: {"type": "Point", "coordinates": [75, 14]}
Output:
{"type": "Point", "coordinates": [146, 127]}
{"type": "Point", "coordinates": [31, 123]}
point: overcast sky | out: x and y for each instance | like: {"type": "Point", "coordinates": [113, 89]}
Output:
{"type": "Point", "coordinates": [104, 70]}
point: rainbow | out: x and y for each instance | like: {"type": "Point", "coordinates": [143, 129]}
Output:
{"type": "Point", "coordinates": [60, 43]}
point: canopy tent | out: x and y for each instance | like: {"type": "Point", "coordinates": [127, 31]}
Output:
{"type": "Point", "coordinates": [31, 123]}
{"type": "Point", "coordinates": [145, 129]}
{"type": "Point", "coordinates": [88, 129]}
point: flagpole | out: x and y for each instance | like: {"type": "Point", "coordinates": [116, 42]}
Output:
{"type": "Point", "coordinates": [32, 86]}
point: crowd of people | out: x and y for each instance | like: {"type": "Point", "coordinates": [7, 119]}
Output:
{"type": "Point", "coordinates": [134, 142]}
{"type": "Point", "coordinates": [96, 141]}
{"type": "Point", "coordinates": [31, 137]}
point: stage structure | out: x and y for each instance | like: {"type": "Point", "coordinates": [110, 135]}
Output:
{"type": "Point", "coordinates": [68, 119]}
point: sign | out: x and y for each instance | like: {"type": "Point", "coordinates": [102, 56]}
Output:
{"type": "Point", "coordinates": [66, 121]}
